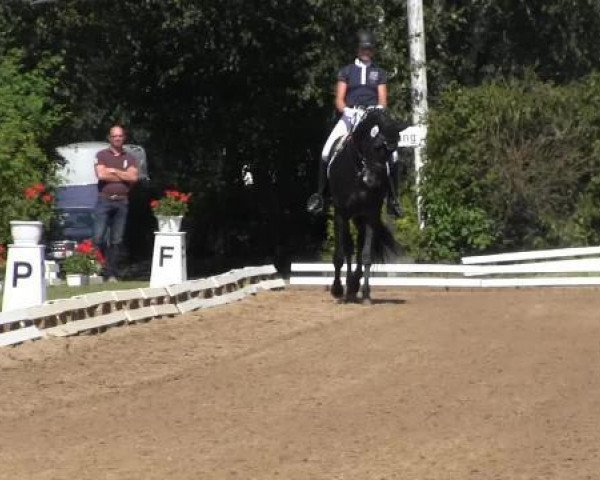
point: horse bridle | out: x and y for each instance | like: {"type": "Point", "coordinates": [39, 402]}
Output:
{"type": "Point", "coordinates": [364, 167]}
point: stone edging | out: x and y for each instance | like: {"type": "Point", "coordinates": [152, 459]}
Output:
{"type": "Point", "coordinates": [97, 311]}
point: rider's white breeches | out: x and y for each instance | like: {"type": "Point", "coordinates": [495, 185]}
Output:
{"type": "Point", "coordinates": [342, 127]}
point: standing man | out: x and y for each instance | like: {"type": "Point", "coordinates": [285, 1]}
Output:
{"type": "Point", "coordinates": [117, 171]}
{"type": "Point", "coordinates": [359, 84]}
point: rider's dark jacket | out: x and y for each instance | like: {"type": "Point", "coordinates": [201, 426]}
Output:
{"type": "Point", "coordinates": [362, 80]}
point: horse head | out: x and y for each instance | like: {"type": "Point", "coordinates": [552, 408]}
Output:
{"type": "Point", "coordinates": [376, 139]}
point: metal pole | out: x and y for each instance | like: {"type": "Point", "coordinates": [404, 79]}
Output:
{"type": "Point", "coordinates": [418, 81]}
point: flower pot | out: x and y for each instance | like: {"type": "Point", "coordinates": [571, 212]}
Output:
{"type": "Point", "coordinates": [26, 232]}
{"type": "Point", "coordinates": [169, 224]}
{"type": "Point", "coordinates": [77, 279]}
{"type": "Point", "coordinates": [95, 279]}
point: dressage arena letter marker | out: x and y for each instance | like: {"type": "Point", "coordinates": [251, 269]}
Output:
{"type": "Point", "coordinates": [24, 284]}
{"type": "Point", "coordinates": [26, 274]}
{"type": "Point", "coordinates": [163, 255]}
{"type": "Point", "coordinates": [169, 264]}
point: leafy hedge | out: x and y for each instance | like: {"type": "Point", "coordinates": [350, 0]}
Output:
{"type": "Point", "coordinates": [512, 165]}
{"type": "Point", "coordinates": [28, 116]}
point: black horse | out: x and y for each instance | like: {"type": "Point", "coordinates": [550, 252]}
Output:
{"type": "Point", "coordinates": [359, 182]}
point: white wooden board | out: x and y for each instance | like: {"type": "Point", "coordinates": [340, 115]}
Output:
{"type": "Point", "coordinates": [531, 255]}
{"type": "Point", "coordinates": [20, 335]}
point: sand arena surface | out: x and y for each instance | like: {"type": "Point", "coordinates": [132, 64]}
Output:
{"type": "Point", "coordinates": [424, 384]}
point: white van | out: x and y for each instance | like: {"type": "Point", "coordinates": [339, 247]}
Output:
{"type": "Point", "coordinates": [76, 196]}
{"type": "Point", "coordinates": [79, 159]}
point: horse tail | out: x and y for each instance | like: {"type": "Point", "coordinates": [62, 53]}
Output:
{"type": "Point", "coordinates": [385, 246]}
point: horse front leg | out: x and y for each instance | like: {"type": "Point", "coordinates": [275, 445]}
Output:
{"type": "Point", "coordinates": [367, 259]}
{"type": "Point", "coordinates": [353, 281]}
{"type": "Point", "coordinates": [349, 250]}
{"type": "Point", "coordinates": [337, 290]}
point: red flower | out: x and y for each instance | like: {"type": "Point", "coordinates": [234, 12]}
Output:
{"type": "Point", "coordinates": [31, 193]}
{"type": "Point", "coordinates": [85, 247]}
{"type": "Point", "coordinates": [99, 257]}
{"type": "Point", "coordinates": [86, 259]}
{"type": "Point", "coordinates": [174, 202]}
{"type": "Point", "coordinates": [37, 203]}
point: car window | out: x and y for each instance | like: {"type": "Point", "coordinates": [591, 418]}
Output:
{"type": "Point", "coordinates": [73, 225]}
{"type": "Point", "coordinates": [140, 154]}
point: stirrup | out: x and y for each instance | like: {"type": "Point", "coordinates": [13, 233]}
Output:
{"type": "Point", "coordinates": [315, 203]}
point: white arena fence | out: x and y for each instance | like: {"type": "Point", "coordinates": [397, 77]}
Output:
{"type": "Point", "coordinates": [97, 311]}
{"type": "Point", "coordinates": [543, 268]}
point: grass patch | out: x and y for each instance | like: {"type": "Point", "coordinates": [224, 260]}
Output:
{"type": "Point", "coordinates": [64, 291]}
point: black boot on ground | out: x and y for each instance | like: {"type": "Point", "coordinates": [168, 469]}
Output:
{"type": "Point", "coordinates": [393, 206]}
{"type": "Point", "coordinates": [316, 202]}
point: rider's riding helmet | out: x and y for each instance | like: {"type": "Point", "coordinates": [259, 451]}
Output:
{"type": "Point", "coordinates": [366, 39]}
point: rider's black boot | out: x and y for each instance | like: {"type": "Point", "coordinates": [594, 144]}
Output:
{"type": "Point", "coordinates": [393, 207]}
{"type": "Point", "coordinates": [316, 203]}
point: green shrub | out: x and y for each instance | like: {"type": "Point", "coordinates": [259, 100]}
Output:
{"type": "Point", "coordinates": [512, 165]}
{"type": "Point", "coordinates": [28, 116]}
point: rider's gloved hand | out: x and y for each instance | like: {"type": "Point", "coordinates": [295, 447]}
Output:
{"type": "Point", "coordinates": [349, 112]}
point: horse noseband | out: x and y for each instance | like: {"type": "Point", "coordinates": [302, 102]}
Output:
{"type": "Point", "coordinates": [368, 178]}
{"type": "Point", "coordinates": [381, 142]}
{"type": "Point", "coordinates": [390, 147]}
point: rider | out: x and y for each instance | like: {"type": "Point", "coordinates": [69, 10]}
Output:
{"type": "Point", "coordinates": [360, 84]}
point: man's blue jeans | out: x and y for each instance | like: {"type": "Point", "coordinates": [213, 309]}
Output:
{"type": "Point", "coordinates": [111, 217]}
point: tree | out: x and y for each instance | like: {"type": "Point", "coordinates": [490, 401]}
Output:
{"type": "Point", "coordinates": [209, 87]}
{"type": "Point", "coordinates": [469, 42]}
{"type": "Point", "coordinates": [28, 116]}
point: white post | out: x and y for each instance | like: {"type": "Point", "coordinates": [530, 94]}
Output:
{"type": "Point", "coordinates": [418, 80]}
{"type": "Point", "coordinates": [169, 264]}
{"type": "Point", "coordinates": [24, 284]}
